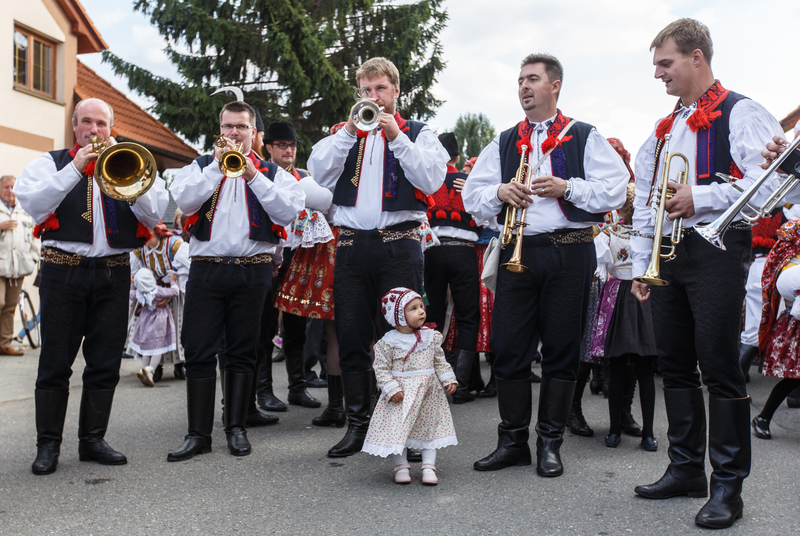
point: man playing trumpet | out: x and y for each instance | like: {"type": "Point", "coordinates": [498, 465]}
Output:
{"type": "Point", "coordinates": [86, 237]}
{"type": "Point", "coordinates": [698, 314]}
{"type": "Point", "coordinates": [580, 180]}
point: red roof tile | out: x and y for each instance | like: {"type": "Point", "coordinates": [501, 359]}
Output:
{"type": "Point", "coordinates": [89, 39]}
{"type": "Point", "coordinates": [131, 121]}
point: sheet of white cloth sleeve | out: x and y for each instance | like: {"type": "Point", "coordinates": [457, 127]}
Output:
{"type": "Point", "coordinates": [328, 157]}
{"type": "Point", "coordinates": [605, 259]}
{"type": "Point", "coordinates": [317, 197]}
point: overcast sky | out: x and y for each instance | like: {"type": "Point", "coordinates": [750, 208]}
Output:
{"type": "Point", "coordinates": [603, 45]}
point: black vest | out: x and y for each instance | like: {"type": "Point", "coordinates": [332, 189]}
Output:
{"type": "Point", "coordinates": [260, 223]}
{"type": "Point", "coordinates": [448, 208]}
{"type": "Point", "coordinates": [346, 191]}
{"type": "Point", "coordinates": [566, 162]}
{"type": "Point", "coordinates": [714, 145]}
{"type": "Point", "coordinates": [74, 214]}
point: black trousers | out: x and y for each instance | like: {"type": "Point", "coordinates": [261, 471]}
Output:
{"type": "Point", "coordinates": [551, 298]}
{"type": "Point", "coordinates": [229, 299]}
{"type": "Point", "coordinates": [698, 315]}
{"type": "Point", "coordinates": [456, 266]}
{"type": "Point", "coordinates": [364, 272]}
{"type": "Point", "coordinates": [86, 303]}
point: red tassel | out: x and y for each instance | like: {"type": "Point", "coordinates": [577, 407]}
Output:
{"type": "Point", "coordinates": [429, 201]}
{"type": "Point", "coordinates": [700, 120]}
{"type": "Point", "coordinates": [521, 142]}
{"type": "Point", "coordinates": [472, 223]}
{"type": "Point", "coordinates": [362, 134]}
{"type": "Point", "coordinates": [279, 231]}
{"type": "Point", "coordinates": [191, 221]}
{"type": "Point", "coordinates": [429, 215]}
{"type": "Point", "coordinates": [89, 169]}
{"type": "Point", "coordinates": [419, 195]}
{"type": "Point", "coordinates": [143, 232]}
{"type": "Point", "coordinates": [455, 216]}
{"type": "Point", "coordinates": [49, 224]}
{"type": "Point", "coordinates": [550, 143]}
{"type": "Point", "coordinates": [735, 171]}
{"type": "Point", "coordinates": [441, 214]}
{"type": "Point", "coordinates": [664, 127]}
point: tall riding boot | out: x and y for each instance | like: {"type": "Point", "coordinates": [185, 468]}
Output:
{"type": "Point", "coordinates": [490, 390]}
{"type": "Point", "coordinates": [685, 475]}
{"type": "Point", "coordinates": [514, 400]}
{"type": "Point", "coordinates": [463, 370]}
{"type": "Point", "coordinates": [92, 426]}
{"type": "Point", "coordinates": [51, 410]}
{"type": "Point", "coordinates": [793, 400]}
{"type": "Point", "coordinates": [627, 423]}
{"type": "Point", "coordinates": [596, 385]}
{"type": "Point", "coordinates": [555, 399]}
{"type": "Point", "coordinates": [298, 394]}
{"type": "Point", "coordinates": [237, 394]}
{"type": "Point", "coordinates": [254, 416]}
{"type": "Point", "coordinates": [729, 453]}
{"type": "Point", "coordinates": [576, 422]}
{"type": "Point", "coordinates": [746, 355]}
{"type": "Point", "coordinates": [357, 388]}
{"type": "Point", "coordinates": [333, 415]}
{"type": "Point", "coordinates": [200, 409]}
{"type": "Point", "coordinates": [476, 383]}
{"type": "Point", "coordinates": [264, 395]}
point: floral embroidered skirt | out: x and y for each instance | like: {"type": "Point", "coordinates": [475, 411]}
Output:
{"type": "Point", "coordinates": [307, 287]}
{"type": "Point", "coordinates": [782, 355]}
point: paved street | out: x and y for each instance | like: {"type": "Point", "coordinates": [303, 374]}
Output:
{"type": "Point", "coordinates": [288, 485]}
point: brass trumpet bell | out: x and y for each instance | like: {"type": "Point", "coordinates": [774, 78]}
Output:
{"type": "Point", "coordinates": [124, 171]}
{"type": "Point", "coordinates": [232, 163]}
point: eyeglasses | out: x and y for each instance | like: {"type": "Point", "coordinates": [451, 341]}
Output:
{"type": "Point", "coordinates": [240, 128]}
{"type": "Point", "coordinates": [283, 146]}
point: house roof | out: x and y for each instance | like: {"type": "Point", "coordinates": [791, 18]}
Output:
{"type": "Point", "coordinates": [788, 122]}
{"type": "Point", "coordinates": [131, 122]}
{"type": "Point", "coordinates": [89, 39]}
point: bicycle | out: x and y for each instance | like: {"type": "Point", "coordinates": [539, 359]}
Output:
{"type": "Point", "coordinates": [30, 320]}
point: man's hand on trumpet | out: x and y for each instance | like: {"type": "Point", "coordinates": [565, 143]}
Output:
{"type": "Point", "coordinates": [515, 194]}
{"type": "Point", "coordinates": [774, 148]}
{"type": "Point", "coordinates": [681, 204]}
{"type": "Point", "coordinates": [549, 186]}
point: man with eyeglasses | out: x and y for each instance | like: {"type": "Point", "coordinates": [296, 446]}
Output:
{"type": "Point", "coordinates": [235, 226]}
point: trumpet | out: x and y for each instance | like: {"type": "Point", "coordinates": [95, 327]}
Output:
{"type": "Point", "coordinates": [123, 171]}
{"type": "Point", "coordinates": [232, 163]}
{"type": "Point", "coordinates": [366, 114]}
{"type": "Point", "coordinates": [715, 231]}
{"type": "Point", "coordinates": [651, 276]}
{"type": "Point", "coordinates": [515, 218]}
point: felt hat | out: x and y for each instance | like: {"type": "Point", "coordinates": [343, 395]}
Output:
{"type": "Point", "coordinates": [448, 140]}
{"type": "Point", "coordinates": [280, 131]}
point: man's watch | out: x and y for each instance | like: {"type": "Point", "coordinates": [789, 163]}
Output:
{"type": "Point", "coordinates": [567, 191]}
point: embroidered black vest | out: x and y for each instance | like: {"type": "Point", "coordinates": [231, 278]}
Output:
{"type": "Point", "coordinates": [448, 207]}
{"type": "Point", "coordinates": [566, 162]}
{"type": "Point", "coordinates": [404, 198]}
{"type": "Point", "coordinates": [74, 214]}
{"type": "Point", "coordinates": [260, 223]}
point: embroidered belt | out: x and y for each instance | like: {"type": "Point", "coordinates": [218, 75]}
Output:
{"type": "Point", "coordinates": [561, 238]}
{"type": "Point", "coordinates": [456, 242]}
{"type": "Point", "coordinates": [424, 372]}
{"type": "Point", "coordinates": [261, 258]}
{"type": "Point", "coordinates": [64, 258]}
{"type": "Point", "coordinates": [387, 235]}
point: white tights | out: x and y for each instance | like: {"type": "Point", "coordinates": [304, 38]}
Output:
{"type": "Point", "coordinates": [151, 361]}
{"type": "Point", "coordinates": [428, 457]}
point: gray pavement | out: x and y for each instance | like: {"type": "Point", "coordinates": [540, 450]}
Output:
{"type": "Point", "coordinates": [288, 485]}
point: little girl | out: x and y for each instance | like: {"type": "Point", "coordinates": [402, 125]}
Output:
{"type": "Point", "coordinates": [154, 333]}
{"type": "Point", "coordinates": [410, 368]}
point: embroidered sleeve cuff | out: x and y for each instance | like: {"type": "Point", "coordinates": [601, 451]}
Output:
{"type": "Point", "coordinates": [391, 389]}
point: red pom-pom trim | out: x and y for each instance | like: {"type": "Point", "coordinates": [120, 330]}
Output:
{"type": "Point", "coordinates": [279, 231]}
{"type": "Point", "coordinates": [521, 142]}
{"type": "Point", "coordinates": [700, 120]}
{"type": "Point", "coordinates": [89, 169]}
{"type": "Point", "coordinates": [429, 215]}
{"type": "Point", "coordinates": [143, 232]}
{"type": "Point", "coordinates": [191, 221]}
{"type": "Point", "coordinates": [664, 127]}
{"type": "Point", "coordinates": [455, 216]}
{"type": "Point", "coordinates": [441, 214]}
{"type": "Point", "coordinates": [49, 224]}
{"type": "Point", "coordinates": [419, 195]}
{"type": "Point", "coordinates": [472, 223]}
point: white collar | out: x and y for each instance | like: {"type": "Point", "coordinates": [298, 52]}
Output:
{"type": "Point", "coordinates": [405, 341]}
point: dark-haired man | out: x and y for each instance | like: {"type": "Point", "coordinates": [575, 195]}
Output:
{"type": "Point", "coordinates": [697, 316]}
{"type": "Point", "coordinates": [235, 229]}
{"type": "Point", "coordinates": [580, 180]}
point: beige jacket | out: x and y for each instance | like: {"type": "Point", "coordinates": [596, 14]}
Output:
{"type": "Point", "coordinates": [19, 250]}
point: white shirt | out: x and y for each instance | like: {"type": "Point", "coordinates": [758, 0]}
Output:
{"type": "Point", "coordinates": [613, 255]}
{"type": "Point", "coordinates": [751, 127]}
{"type": "Point", "coordinates": [602, 190]}
{"type": "Point", "coordinates": [180, 262]}
{"type": "Point", "coordinates": [40, 189]}
{"type": "Point", "coordinates": [424, 163]}
{"type": "Point", "coordinates": [230, 232]}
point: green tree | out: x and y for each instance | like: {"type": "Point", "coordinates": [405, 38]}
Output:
{"type": "Point", "coordinates": [295, 60]}
{"type": "Point", "coordinates": [473, 132]}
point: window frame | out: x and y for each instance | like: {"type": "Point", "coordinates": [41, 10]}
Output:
{"type": "Point", "coordinates": [32, 38]}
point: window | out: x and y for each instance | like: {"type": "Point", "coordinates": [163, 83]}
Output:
{"type": "Point", "coordinates": [34, 62]}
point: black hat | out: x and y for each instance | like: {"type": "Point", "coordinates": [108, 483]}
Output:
{"type": "Point", "coordinates": [448, 140]}
{"type": "Point", "coordinates": [280, 131]}
{"type": "Point", "coordinates": [259, 122]}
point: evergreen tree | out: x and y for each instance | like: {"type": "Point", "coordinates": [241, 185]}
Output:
{"type": "Point", "coordinates": [295, 60]}
{"type": "Point", "coordinates": [473, 132]}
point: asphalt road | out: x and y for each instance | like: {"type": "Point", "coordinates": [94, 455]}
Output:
{"type": "Point", "coordinates": [288, 485]}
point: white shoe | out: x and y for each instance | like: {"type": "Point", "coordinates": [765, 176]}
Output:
{"type": "Point", "coordinates": [145, 375]}
{"type": "Point", "coordinates": [429, 477]}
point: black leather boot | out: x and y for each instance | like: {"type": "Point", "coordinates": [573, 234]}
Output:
{"type": "Point", "coordinates": [685, 475]}
{"type": "Point", "coordinates": [463, 369]}
{"type": "Point", "coordinates": [298, 394]}
{"type": "Point", "coordinates": [627, 423]}
{"type": "Point", "coordinates": [596, 385]}
{"type": "Point", "coordinates": [476, 383]}
{"type": "Point", "coordinates": [514, 400]}
{"type": "Point", "coordinates": [576, 422]}
{"type": "Point", "coordinates": [793, 400]}
{"type": "Point", "coordinates": [264, 395]}
{"type": "Point", "coordinates": [729, 454]}
{"type": "Point", "coordinates": [490, 390]}
{"type": "Point", "coordinates": [333, 415]}
{"type": "Point", "coordinates": [51, 410]}
{"type": "Point", "coordinates": [237, 395]}
{"type": "Point", "coordinates": [555, 399]}
{"type": "Point", "coordinates": [746, 355]}
{"type": "Point", "coordinates": [92, 426]}
{"type": "Point", "coordinates": [254, 416]}
{"type": "Point", "coordinates": [200, 409]}
{"type": "Point", "coordinates": [178, 371]}
{"type": "Point", "coordinates": [358, 388]}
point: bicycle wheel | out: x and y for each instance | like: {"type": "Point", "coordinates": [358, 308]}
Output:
{"type": "Point", "coordinates": [30, 322]}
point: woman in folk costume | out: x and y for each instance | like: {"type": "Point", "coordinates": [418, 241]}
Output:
{"type": "Point", "coordinates": [779, 334]}
{"type": "Point", "coordinates": [164, 254]}
{"type": "Point", "coordinates": [411, 370]}
{"type": "Point", "coordinates": [154, 335]}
